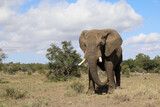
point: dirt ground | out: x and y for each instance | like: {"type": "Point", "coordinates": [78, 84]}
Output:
{"type": "Point", "coordinates": [139, 90]}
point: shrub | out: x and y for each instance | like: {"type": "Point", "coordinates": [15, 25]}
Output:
{"type": "Point", "coordinates": [63, 61]}
{"type": "Point", "coordinates": [144, 61]}
{"type": "Point", "coordinates": [138, 69]}
{"type": "Point", "coordinates": [54, 76]}
{"type": "Point", "coordinates": [77, 86]}
{"type": "Point", "coordinates": [14, 94]}
{"type": "Point", "coordinates": [74, 89]}
{"type": "Point", "coordinates": [41, 71]}
{"type": "Point", "coordinates": [130, 62]}
{"type": "Point", "coordinates": [12, 70]}
{"type": "Point", "coordinates": [24, 68]}
{"type": "Point", "coordinates": [156, 70]}
{"type": "Point", "coordinates": [126, 70]}
{"type": "Point", "coordinates": [29, 73]}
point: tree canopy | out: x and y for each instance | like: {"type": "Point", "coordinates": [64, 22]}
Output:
{"type": "Point", "coordinates": [143, 63]}
{"type": "Point", "coordinates": [2, 55]}
{"type": "Point", "coordinates": [63, 61]}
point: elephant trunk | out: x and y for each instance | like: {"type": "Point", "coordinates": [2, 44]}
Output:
{"type": "Point", "coordinates": [92, 62]}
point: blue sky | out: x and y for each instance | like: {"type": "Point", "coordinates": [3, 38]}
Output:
{"type": "Point", "coordinates": [28, 27]}
{"type": "Point", "coordinates": [149, 11]}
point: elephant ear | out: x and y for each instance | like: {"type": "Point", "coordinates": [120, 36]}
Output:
{"type": "Point", "coordinates": [82, 40]}
{"type": "Point", "coordinates": [112, 41]}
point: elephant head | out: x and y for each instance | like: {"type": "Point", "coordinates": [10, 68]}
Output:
{"type": "Point", "coordinates": [97, 45]}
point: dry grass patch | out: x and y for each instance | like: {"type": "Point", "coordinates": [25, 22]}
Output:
{"type": "Point", "coordinates": [135, 91]}
{"type": "Point", "coordinates": [138, 90]}
{"type": "Point", "coordinates": [149, 105]}
{"type": "Point", "coordinates": [122, 97]}
{"type": "Point", "coordinates": [138, 87]}
{"type": "Point", "coordinates": [146, 92]}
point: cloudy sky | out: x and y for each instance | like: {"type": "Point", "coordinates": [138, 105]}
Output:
{"type": "Point", "coordinates": [28, 27]}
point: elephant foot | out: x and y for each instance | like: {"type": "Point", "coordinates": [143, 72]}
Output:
{"type": "Point", "coordinates": [117, 85]}
{"type": "Point", "coordinates": [111, 89]}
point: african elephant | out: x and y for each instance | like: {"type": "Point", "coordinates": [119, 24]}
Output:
{"type": "Point", "coordinates": [102, 48]}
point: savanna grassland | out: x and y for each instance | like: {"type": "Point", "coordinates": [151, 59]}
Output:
{"type": "Point", "coordinates": [23, 90]}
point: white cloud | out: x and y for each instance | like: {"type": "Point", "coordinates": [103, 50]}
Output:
{"type": "Point", "coordinates": [7, 10]}
{"type": "Point", "coordinates": [143, 39]}
{"type": "Point", "coordinates": [51, 22]}
{"type": "Point", "coordinates": [143, 43]}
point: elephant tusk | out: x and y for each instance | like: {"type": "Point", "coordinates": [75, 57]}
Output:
{"type": "Point", "coordinates": [100, 59]}
{"type": "Point", "coordinates": [81, 62]}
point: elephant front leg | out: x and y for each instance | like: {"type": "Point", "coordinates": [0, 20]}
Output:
{"type": "Point", "coordinates": [118, 76]}
{"type": "Point", "coordinates": [91, 88]}
{"type": "Point", "coordinates": [110, 76]}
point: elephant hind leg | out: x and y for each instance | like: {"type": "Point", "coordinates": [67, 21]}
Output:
{"type": "Point", "coordinates": [118, 75]}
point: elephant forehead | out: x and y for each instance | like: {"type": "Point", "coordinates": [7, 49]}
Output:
{"type": "Point", "coordinates": [93, 34]}
{"type": "Point", "coordinates": [93, 38]}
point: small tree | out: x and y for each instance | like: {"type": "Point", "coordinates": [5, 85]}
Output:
{"type": "Point", "coordinates": [2, 57]}
{"type": "Point", "coordinates": [144, 61]}
{"type": "Point", "coordinates": [63, 61]}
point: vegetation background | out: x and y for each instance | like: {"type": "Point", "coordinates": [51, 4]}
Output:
{"type": "Point", "coordinates": [61, 82]}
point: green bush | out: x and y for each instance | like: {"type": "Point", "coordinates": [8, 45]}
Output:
{"type": "Point", "coordinates": [54, 76]}
{"type": "Point", "coordinates": [156, 70]}
{"type": "Point", "coordinates": [14, 94]}
{"type": "Point", "coordinates": [12, 70]}
{"type": "Point", "coordinates": [126, 70]}
{"type": "Point", "coordinates": [138, 69]}
{"type": "Point", "coordinates": [130, 63]}
{"type": "Point", "coordinates": [144, 61]}
{"type": "Point", "coordinates": [29, 73]}
{"type": "Point", "coordinates": [41, 71]}
{"type": "Point", "coordinates": [63, 62]}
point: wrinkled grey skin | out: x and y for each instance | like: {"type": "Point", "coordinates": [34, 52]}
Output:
{"type": "Point", "coordinates": [104, 43]}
